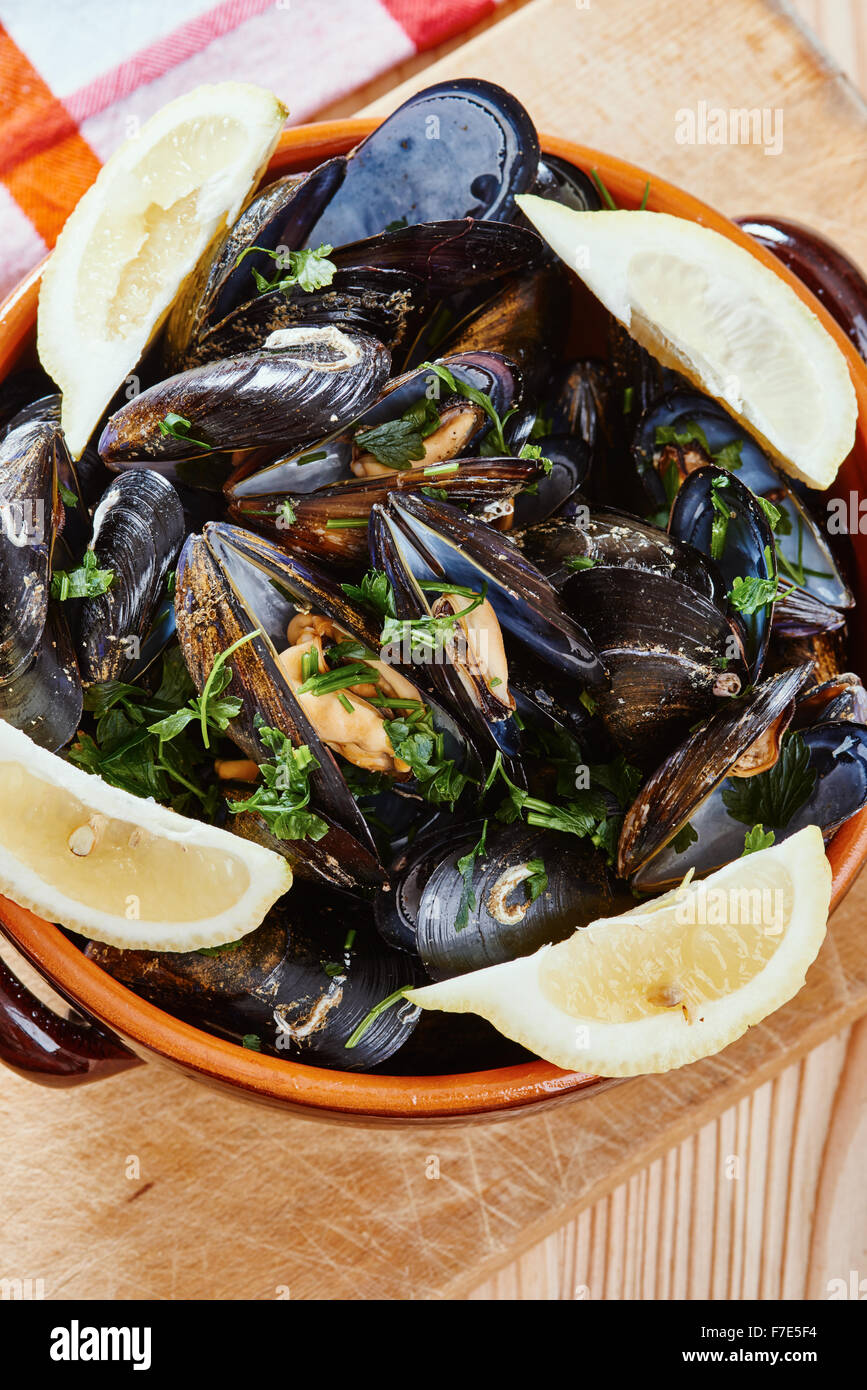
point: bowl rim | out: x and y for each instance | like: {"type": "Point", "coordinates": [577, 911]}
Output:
{"type": "Point", "coordinates": [310, 1090]}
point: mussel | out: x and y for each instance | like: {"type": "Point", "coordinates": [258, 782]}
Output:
{"type": "Point", "coordinates": [528, 888]}
{"type": "Point", "coordinates": [297, 987]}
{"type": "Point", "coordinates": [301, 382]}
{"type": "Point", "coordinates": [138, 529]}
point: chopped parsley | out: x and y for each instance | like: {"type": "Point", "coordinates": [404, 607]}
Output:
{"type": "Point", "coordinates": [772, 797]}
{"type": "Point", "coordinates": [756, 839]}
{"type": "Point", "coordinates": [579, 562]}
{"type": "Point", "coordinates": [306, 270]}
{"type": "Point", "coordinates": [471, 393]}
{"type": "Point", "coordinates": [685, 837]}
{"type": "Point", "coordinates": [67, 496]}
{"type": "Point", "coordinates": [283, 799]}
{"type": "Point", "coordinates": [87, 581]}
{"type": "Point", "coordinates": [399, 443]}
{"type": "Point", "coordinates": [722, 515]}
{"type": "Point", "coordinates": [466, 869]}
{"type": "Point", "coordinates": [375, 592]}
{"type": "Point", "coordinates": [748, 595]}
{"type": "Point", "coordinates": [178, 427]}
{"type": "Point", "coordinates": [429, 635]}
{"type": "Point", "coordinates": [416, 742]}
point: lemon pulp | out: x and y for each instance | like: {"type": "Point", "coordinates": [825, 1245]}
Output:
{"type": "Point", "coordinates": [692, 949]}
{"type": "Point", "coordinates": [105, 862]}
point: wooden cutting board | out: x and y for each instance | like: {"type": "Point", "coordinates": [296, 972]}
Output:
{"type": "Point", "coordinates": [150, 1186]}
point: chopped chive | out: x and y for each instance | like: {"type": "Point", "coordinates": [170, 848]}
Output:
{"type": "Point", "coordinates": [392, 702]}
{"type": "Point", "coordinates": [442, 586]}
{"type": "Point", "coordinates": [345, 523]}
{"type": "Point", "coordinates": [347, 704]}
{"type": "Point", "coordinates": [329, 682]}
{"type": "Point", "coordinates": [643, 204]}
{"type": "Point", "coordinates": [350, 939]}
{"type": "Point", "coordinates": [311, 458]}
{"type": "Point", "coordinates": [606, 196]}
{"type": "Point", "coordinates": [439, 468]}
{"type": "Point", "coordinates": [628, 393]}
{"type": "Point", "coordinates": [380, 1008]}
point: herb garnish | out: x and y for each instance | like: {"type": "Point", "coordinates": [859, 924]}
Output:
{"type": "Point", "coordinates": [374, 592]}
{"type": "Point", "coordinates": [416, 742]}
{"type": "Point", "coordinates": [748, 595]}
{"type": "Point", "coordinates": [380, 1008]}
{"type": "Point", "coordinates": [87, 581]}
{"type": "Point", "coordinates": [579, 562]}
{"type": "Point", "coordinates": [466, 868]}
{"type": "Point", "coordinates": [757, 839]}
{"type": "Point", "coordinates": [283, 799]}
{"type": "Point", "coordinates": [398, 443]}
{"type": "Point", "coordinates": [178, 427]}
{"type": "Point", "coordinates": [772, 797]}
{"type": "Point", "coordinates": [307, 270]}
{"type": "Point", "coordinates": [67, 496]}
{"type": "Point", "coordinates": [429, 635]}
{"type": "Point", "coordinates": [722, 515]}
{"type": "Point", "coordinates": [470, 393]}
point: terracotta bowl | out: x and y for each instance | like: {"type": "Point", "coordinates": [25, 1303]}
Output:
{"type": "Point", "coordinates": [124, 1030]}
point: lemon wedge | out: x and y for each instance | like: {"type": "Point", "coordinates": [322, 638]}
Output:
{"type": "Point", "coordinates": [707, 308]}
{"type": "Point", "coordinates": [120, 868]}
{"type": "Point", "coordinates": [677, 979]}
{"type": "Point", "coordinates": [138, 232]}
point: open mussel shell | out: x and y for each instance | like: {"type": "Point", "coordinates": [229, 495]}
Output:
{"type": "Point", "coordinates": [502, 923]}
{"type": "Point", "coordinates": [230, 584]}
{"type": "Point", "coordinates": [841, 697]}
{"type": "Point", "coordinates": [433, 540]}
{"type": "Point", "coordinates": [569, 459]}
{"type": "Point", "coordinates": [310, 380]}
{"type": "Point", "coordinates": [379, 286]}
{"type": "Point", "coordinates": [837, 754]}
{"type": "Point", "coordinates": [799, 614]}
{"type": "Point", "coordinates": [138, 529]}
{"type": "Point", "coordinates": [331, 523]}
{"type": "Point", "coordinates": [525, 319]}
{"type": "Point", "coordinates": [329, 460]}
{"type": "Point", "coordinates": [799, 538]}
{"type": "Point", "coordinates": [296, 987]}
{"type": "Point", "coordinates": [581, 538]}
{"type": "Point", "coordinates": [671, 795]}
{"type": "Point", "coordinates": [281, 215]}
{"type": "Point", "coordinates": [669, 652]}
{"type": "Point", "coordinates": [741, 544]}
{"type": "Point", "coordinates": [458, 149]}
{"type": "Point", "coordinates": [30, 512]}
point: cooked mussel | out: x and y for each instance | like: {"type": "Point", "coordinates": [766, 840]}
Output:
{"type": "Point", "coordinates": [670, 654]}
{"type": "Point", "coordinates": [301, 382]}
{"type": "Point", "coordinates": [504, 910]}
{"type": "Point", "coordinates": [714, 513]}
{"type": "Point", "coordinates": [138, 529]}
{"type": "Point", "coordinates": [742, 739]}
{"type": "Point", "coordinates": [40, 689]}
{"type": "Point", "coordinates": [457, 149]}
{"type": "Point", "coordinates": [297, 987]}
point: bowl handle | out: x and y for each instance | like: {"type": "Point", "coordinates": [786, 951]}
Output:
{"type": "Point", "coordinates": [51, 1050]}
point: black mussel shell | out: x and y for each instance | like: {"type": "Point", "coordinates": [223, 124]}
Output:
{"type": "Point", "coordinates": [502, 922]}
{"type": "Point", "coordinates": [296, 987]}
{"type": "Point", "coordinates": [331, 523]}
{"type": "Point", "coordinates": [229, 584]}
{"type": "Point", "coordinates": [687, 414]}
{"type": "Point", "coordinates": [280, 215]}
{"type": "Point", "coordinates": [320, 379]}
{"type": "Point", "coordinates": [19, 390]}
{"type": "Point", "coordinates": [433, 540]}
{"type": "Point", "coordinates": [669, 798]}
{"type": "Point", "coordinates": [798, 614]}
{"type": "Point", "coordinates": [581, 538]}
{"type": "Point", "coordinates": [565, 183]}
{"type": "Point", "coordinates": [138, 529]}
{"type": "Point", "coordinates": [378, 287]}
{"type": "Point", "coordinates": [566, 470]}
{"type": "Point", "coordinates": [43, 695]}
{"type": "Point", "coordinates": [31, 512]}
{"type": "Point", "coordinates": [395, 909]}
{"type": "Point", "coordinates": [823, 268]}
{"type": "Point", "coordinates": [669, 652]}
{"type": "Point", "coordinates": [457, 149]}
{"type": "Point", "coordinates": [741, 543]}
{"type": "Point", "coordinates": [841, 697]}
{"type": "Point", "coordinates": [837, 756]}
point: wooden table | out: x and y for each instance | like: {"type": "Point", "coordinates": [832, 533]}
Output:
{"type": "Point", "coordinates": [738, 1176]}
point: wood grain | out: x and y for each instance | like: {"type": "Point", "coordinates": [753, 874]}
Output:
{"type": "Point", "coordinates": [151, 1186]}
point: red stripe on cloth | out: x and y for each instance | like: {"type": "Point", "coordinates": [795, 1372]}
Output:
{"type": "Point", "coordinates": [159, 57]}
{"type": "Point", "coordinates": [428, 22]}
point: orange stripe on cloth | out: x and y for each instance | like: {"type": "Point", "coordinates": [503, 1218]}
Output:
{"type": "Point", "coordinates": [44, 162]}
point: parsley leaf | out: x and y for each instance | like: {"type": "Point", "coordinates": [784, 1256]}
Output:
{"type": "Point", "coordinates": [374, 592]}
{"type": "Point", "coordinates": [416, 743]}
{"type": "Point", "coordinates": [471, 393]}
{"type": "Point", "coordinates": [87, 581]}
{"type": "Point", "coordinates": [466, 869]}
{"type": "Point", "coordinates": [757, 839]}
{"type": "Point", "coordinates": [306, 270]}
{"type": "Point", "coordinates": [398, 443]}
{"type": "Point", "coordinates": [285, 795]}
{"type": "Point", "coordinates": [178, 427]}
{"type": "Point", "coordinates": [537, 881]}
{"type": "Point", "coordinates": [685, 837]}
{"type": "Point", "coordinates": [772, 797]}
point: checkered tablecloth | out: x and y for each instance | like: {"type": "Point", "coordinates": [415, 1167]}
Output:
{"type": "Point", "coordinates": [75, 75]}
